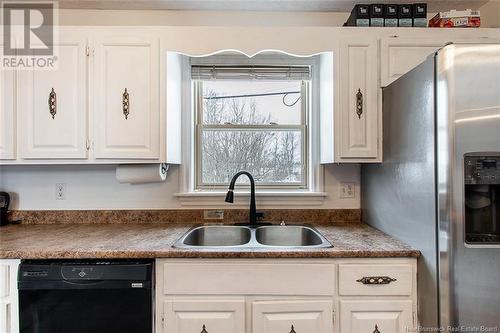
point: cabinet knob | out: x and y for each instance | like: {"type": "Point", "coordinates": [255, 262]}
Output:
{"type": "Point", "coordinates": [53, 103]}
{"type": "Point", "coordinates": [204, 330]}
{"type": "Point", "coordinates": [126, 104]}
{"type": "Point", "coordinates": [376, 280]}
{"type": "Point", "coordinates": [292, 330]}
{"type": "Point", "coordinates": [376, 329]}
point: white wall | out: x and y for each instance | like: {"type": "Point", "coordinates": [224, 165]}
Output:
{"type": "Point", "coordinates": [199, 18]}
{"type": "Point", "coordinates": [490, 16]}
{"type": "Point", "coordinates": [95, 187]}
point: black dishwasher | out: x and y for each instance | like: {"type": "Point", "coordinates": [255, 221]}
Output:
{"type": "Point", "coordinates": [91, 296]}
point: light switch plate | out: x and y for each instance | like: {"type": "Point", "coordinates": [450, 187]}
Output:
{"type": "Point", "coordinates": [346, 190]}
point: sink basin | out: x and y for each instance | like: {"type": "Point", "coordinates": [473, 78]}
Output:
{"type": "Point", "coordinates": [292, 236]}
{"type": "Point", "coordinates": [242, 237]}
{"type": "Point", "coordinates": [217, 236]}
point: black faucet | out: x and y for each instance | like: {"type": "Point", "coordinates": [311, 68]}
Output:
{"type": "Point", "coordinates": [254, 215]}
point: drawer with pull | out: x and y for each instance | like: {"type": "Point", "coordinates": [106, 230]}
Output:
{"type": "Point", "coordinates": [375, 280]}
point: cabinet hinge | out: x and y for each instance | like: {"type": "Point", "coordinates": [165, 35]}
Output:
{"type": "Point", "coordinates": [88, 144]}
{"type": "Point", "coordinates": [89, 51]}
{"type": "Point", "coordinates": [333, 317]}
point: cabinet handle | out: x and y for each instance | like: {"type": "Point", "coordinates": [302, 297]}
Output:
{"type": "Point", "coordinates": [359, 103]}
{"type": "Point", "coordinates": [126, 103]}
{"type": "Point", "coordinates": [53, 103]}
{"type": "Point", "coordinates": [292, 330]}
{"type": "Point", "coordinates": [376, 329]}
{"type": "Point", "coordinates": [376, 280]}
{"type": "Point", "coordinates": [204, 330]}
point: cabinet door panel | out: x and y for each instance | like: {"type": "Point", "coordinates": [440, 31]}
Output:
{"type": "Point", "coordinates": [127, 70]}
{"type": "Point", "coordinates": [7, 115]}
{"type": "Point", "coordinates": [9, 316]}
{"type": "Point", "coordinates": [386, 316]}
{"type": "Point", "coordinates": [359, 107]}
{"type": "Point", "coordinates": [292, 316]}
{"type": "Point", "coordinates": [62, 134]}
{"type": "Point", "coordinates": [196, 315]}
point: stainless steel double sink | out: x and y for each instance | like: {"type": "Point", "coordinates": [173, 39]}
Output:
{"type": "Point", "coordinates": [241, 237]}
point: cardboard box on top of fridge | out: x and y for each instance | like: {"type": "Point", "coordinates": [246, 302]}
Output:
{"type": "Point", "coordinates": [456, 19]}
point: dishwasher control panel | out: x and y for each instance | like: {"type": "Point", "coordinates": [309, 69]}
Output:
{"type": "Point", "coordinates": [72, 270]}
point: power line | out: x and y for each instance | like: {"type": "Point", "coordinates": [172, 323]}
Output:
{"type": "Point", "coordinates": [253, 95]}
{"type": "Point", "coordinates": [284, 93]}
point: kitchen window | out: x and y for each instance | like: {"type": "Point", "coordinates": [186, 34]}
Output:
{"type": "Point", "coordinates": [252, 118]}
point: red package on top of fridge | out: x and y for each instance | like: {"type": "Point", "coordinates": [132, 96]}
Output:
{"type": "Point", "coordinates": [456, 19]}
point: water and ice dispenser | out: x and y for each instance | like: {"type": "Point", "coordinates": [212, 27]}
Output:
{"type": "Point", "coordinates": [482, 199]}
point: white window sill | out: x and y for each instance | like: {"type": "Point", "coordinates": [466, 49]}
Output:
{"type": "Point", "coordinates": [264, 199]}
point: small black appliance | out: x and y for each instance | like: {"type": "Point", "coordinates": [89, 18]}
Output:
{"type": "Point", "coordinates": [4, 207]}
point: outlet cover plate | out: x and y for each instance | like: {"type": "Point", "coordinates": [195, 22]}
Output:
{"type": "Point", "coordinates": [346, 190]}
{"type": "Point", "coordinates": [60, 191]}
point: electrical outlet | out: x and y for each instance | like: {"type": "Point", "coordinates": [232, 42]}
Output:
{"type": "Point", "coordinates": [60, 191]}
{"type": "Point", "coordinates": [346, 190]}
{"type": "Point", "coordinates": [213, 214]}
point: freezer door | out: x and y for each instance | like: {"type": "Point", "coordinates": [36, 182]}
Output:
{"type": "Point", "coordinates": [467, 123]}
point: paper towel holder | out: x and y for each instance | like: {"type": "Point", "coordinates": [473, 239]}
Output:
{"type": "Point", "coordinates": [141, 173]}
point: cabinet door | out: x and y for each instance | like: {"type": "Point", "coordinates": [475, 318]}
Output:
{"type": "Point", "coordinates": [292, 316]}
{"type": "Point", "coordinates": [204, 316]}
{"type": "Point", "coordinates": [399, 55]}
{"type": "Point", "coordinates": [126, 97]}
{"type": "Point", "coordinates": [9, 318]}
{"type": "Point", "coordinates": [378, 316]}
{"type": "Point", "coordinates": [359, 113]}
{"type": "Point", "coordinates": [56, 129]}
{"type": "Point", "coordinates": [7, 115]}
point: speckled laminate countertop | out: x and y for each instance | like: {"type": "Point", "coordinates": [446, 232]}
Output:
{"type": "Point", "coordinates": [58, 241]}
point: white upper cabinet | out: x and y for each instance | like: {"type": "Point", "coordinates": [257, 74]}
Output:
{"type": "Point", "coordinates": [126, 97]}
{"type": "Point", "coordinates": [52, 104]}
{"type": "Point", "coordinates": [292, 316]}
{"type": "Point", "coordinates": [399, 55]}
{"type": "Point", "coordinates": [7, 115]}
{"type": "Point", "coordinates": [359, 115]}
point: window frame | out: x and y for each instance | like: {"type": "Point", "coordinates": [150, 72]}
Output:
{"type": "Point", "coordinates": [189, 196]}
{"type": "Point", "coordinates": [303, 128]}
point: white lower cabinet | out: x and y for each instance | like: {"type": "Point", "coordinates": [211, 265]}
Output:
{"type": "Point", "coordinates": [286, 295]}
{"type": "Point", "coordinates": [203, 315]}
{"type": "Point", "coordinates": [292, 316]}
{"type": "Point", "coordinates": [377, 316]}
{"type": "Point", "coordinates": [9, 316]}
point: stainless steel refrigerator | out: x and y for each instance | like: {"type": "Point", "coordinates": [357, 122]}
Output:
{"type": "Point", "coordinates": [438, 188]}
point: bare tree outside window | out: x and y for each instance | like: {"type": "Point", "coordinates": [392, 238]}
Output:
{"type": "Point", "coordinates": [262, 133]}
